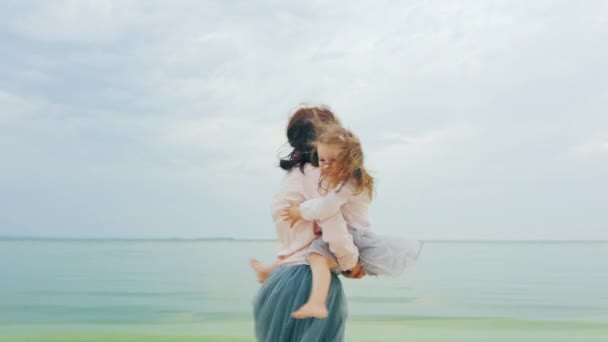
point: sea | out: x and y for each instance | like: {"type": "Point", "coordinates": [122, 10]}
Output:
{"type": "Point", "coordinates": [202, 290]}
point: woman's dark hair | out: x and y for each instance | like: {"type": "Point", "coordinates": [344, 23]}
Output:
{"type": "Point", "coordinates": [302, 131]}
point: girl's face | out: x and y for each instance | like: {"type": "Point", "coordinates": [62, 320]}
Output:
{"type": "Point", "coordinates": [327, 155]}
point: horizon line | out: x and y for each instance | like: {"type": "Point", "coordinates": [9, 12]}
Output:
{"type": "Point", "coordinates": [50, 238]}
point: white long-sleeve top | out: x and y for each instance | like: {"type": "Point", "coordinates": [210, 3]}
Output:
{"type": "Point", "coordinates": [295, 241]}
{"type": "Point", "coordinates": [354, 207]}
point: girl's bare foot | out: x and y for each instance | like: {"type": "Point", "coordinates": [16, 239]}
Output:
{"type": "Point", "coordinates": [309, 310]}
{"type": "Point", "coordinates": [261, 271]}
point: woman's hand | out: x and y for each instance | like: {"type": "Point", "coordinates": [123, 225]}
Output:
{"type": "Point", "coordinates": [355, 272]}
{"type": "Point", "coordinates": [291, 214]}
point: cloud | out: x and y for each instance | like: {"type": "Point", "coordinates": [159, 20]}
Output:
{"type": "Point", "coordinates": [396, 151]}
{"type": "Point", "coordinates": [593, 146]}
{"type": "Point", "coordinates": [242, 142]}
{"type": "Point", "coordinates": [70, 21]}
{"type": "Point", "coordinates": [466, 111]}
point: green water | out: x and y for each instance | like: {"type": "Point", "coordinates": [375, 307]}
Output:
{"type": "Point", "coordinates": [112, 290]}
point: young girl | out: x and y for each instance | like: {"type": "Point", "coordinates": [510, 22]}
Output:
{"type": "Point", "coordinates": [346, 186]}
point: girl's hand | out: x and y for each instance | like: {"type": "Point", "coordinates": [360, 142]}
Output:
{"type": "Point", "coordinates": [291, 214]}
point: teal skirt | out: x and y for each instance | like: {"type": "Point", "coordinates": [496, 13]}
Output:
{"type": "Point", "coordinates": [286, 289]}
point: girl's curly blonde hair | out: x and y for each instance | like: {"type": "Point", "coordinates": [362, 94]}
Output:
{"type": "Point", "coordinates": [349, 166]}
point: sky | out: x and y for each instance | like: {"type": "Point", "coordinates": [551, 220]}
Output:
{"type": "Point", "coordinates": [156, 119]}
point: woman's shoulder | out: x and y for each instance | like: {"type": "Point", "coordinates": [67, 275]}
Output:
{"type": "Point", "coordinates": [310, 170]}
{"type": "Point", "coordinates": [307, 171]}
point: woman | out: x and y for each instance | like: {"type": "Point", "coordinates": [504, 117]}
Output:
{"type": "Point", "coordinates": [287, 288]}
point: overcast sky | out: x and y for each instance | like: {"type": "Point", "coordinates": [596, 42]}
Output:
{"type": "Point", "coordinates": [479, 119]}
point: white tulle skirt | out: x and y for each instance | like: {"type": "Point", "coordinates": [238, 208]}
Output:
{"type": "Point", "coordinates": [379, 255]}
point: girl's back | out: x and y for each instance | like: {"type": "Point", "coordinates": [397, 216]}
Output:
{"type": "Point", "coordinates": [356, 209]}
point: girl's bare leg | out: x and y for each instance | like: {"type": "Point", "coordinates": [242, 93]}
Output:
{"type": "Point", "coordinates": [321, 278]}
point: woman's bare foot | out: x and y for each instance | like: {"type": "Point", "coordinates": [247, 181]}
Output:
{"type": "Point", "coordinates": [309, 310]}
{"type": "Point", "coordinates": [261, 271]}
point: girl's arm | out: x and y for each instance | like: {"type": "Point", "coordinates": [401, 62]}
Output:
{"type": "Point", "coordinates": [324, 207]}
{"type": "Point", "coordinates": [335, 233]}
